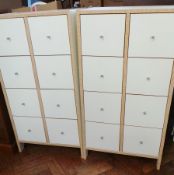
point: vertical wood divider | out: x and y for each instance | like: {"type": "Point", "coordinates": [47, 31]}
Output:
{"type": "Point", "coordinates": [36, 77]}
{"type": "Point", "coordinates": [125, 63]}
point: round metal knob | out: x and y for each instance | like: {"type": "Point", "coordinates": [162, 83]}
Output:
{"type": "Point", "coordinates": [101, 76]}
{"type": "Point", "coordinates": [29, 130]}
{"type": "Point", "coordinates": [141, 142]}
{"type": "Point", "coordinates": [152, 37]}
{"type": "Point", "coordinates": [16, 73]}
{"type": "Point", "coordinates": [148, 78]}
{"type": "Point", "coordinates": [101, 37]}
{"type": "Point", "coordinates": [53, 74]}
{"type": "Point", "coordinates": [62, 133]}
{"type": "Point", "coordinates": [101, 137]}
{"type": "Point", "coordinates": [144, 113]}
{"type": "Point", "coordinates": [58, 105]}
{"type": "Point", "coordinates": [23, 104]}
{"type": "Point", "coordinates": [101, 109]}
{"type": "Point", "coordinates": [8, 39]}
{"type": "Point", "coordinates": [48, 37]}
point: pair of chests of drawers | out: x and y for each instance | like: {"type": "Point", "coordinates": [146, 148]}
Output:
{"type": "Point", "coordinates": [148, 77]}
{"type": "Point", "coordinates": [52, 58]}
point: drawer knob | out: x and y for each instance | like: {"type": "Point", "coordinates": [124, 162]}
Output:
{"type": "Point", "coordinates": [101, 76]}
{"type": "Point", "coordinates": [29, 130]}
{"type": "Point", "coordinates": [8, 39]}
{"type": "Point", "coordinates": [141, 142]}
{"type": "Point", "coordinates": [152, 37]}
{"type": "Point", "coordinates": [101, 109]}
{"type": "Point", "coordinates": [53, 74]}
{"type": "Point", "coordinates": [102, 138]}
{"type": "Point", "coordinates": [58, 105]}
{"type": "Point", "coordinates": [48, 37]}
{"type": "Point", "coordinates": [102, 37]}
{"type": "Point", "coordinates": [62, 133]}
{"type": "Point", "coordinates": [148, 78]}
{"type": "Point", "coordinates": [16, 73]}
{"type": "Point", "coordinates": [23, 104]}
{"type": "Point", "coordinates": [144, 113]}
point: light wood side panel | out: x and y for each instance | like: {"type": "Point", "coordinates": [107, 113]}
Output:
{"type": "Point", "coordinates": [167, 111]}
{"type": "Point", "coordinates": [19, 145]}
{"type": "Point", "coordinates": [74, 61]}
{"type": "Point", "coordinates": [80, 71]}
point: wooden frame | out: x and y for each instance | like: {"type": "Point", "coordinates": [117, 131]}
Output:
{"type": "Point", "coordinates": [127, 11]}
{"type": "Point", "coordinates": [72, 43]}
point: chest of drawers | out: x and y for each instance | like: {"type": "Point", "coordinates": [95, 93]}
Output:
{"type": "Point", "coordinates": [39, 77]}
{"type": "Point", "coordinates": [99, 79]}
{"type": "Point", "coordinates": [126, 72]}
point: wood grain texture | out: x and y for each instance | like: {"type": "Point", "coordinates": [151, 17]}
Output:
{"type": "Point", "coordinates": [44, 160]}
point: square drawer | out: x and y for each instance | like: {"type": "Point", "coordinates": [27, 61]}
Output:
{"type": "Point", "coordinates": [102, 136]}
{"type": "Point", "coordinates": [17, 72]}
{"type": "Point", "coordinates": [49, 35]}
{"type": "Point", "coordinates": [62, 131]}
{"type": "Point", "coordinates": [13, 37]}
{"type": "Point", "coordinates": [151, 35]}
{"type": "Point", "coordinates": [30, 129]}
{"type": "Point", "coordinates": [149, 76]}
{"type": "Point", "coordinates": [102, 74]}
{"type": "Point", "coordinates": [146, 111]}
{"type": "Point", "coordinates": [103, 35]}
{"type": "Point", "coordinates": [59, 103]}
{"type": "Point", "coordinates": [24, 102]}
{"type": "Point", "coordinates": [102, 107]}
{"type": "Point", "coordinates": [54, 71]}
{"type": "Point", "coordinates": [144, 141]}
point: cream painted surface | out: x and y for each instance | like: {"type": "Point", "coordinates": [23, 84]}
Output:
{"type": "Point", "coordinates": [54, 71]}
{"type": "Point", "coordinates": [102, 107]}
{"type": "Point", "coordinates": [149, 76]}
{"type": "Point", "coordinates": [63, 131]}
{"type": "Point", "coordinates": [146, 111]}
{"type": "Point", "coordinates": [30, 129]}
{"type": "Point", "coordinates": [152, 35]}
{"type": "Point", "coordinates": [49, 35]}
{"type": "Point", "coordinates": [59, 103]}
{"type": "Point", "coordinates": [103, 35]}
{"type": "Point", "coordinates": [17, 72]}
{"type": "Point", "coordinates": [142, 140]}
{"type": "Point", "coordinates": [102, 136]}
{"type": "Point", "coordinates": [13, 37]}
{"type": "Point", "coordinates": [24, 102]}
{"type": "Point", "coordinates": [102, 74]}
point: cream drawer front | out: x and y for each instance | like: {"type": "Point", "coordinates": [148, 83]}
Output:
{"type": "Point", "coordinates": [13, 37]}
{"type": "Point", "coordinates": [151, 35]}
{"type": "Point", "coordinates": [143, 141]}
{"type": "Point", "coordinates": [102, 74]}
{"type": "Point", "coordinates": [103, 35]}
{"type": "Point", "coordinates": [146, 111]}
{"type": "Point", "coordinates": [30, 129]}
{"type": "Point", "coordinates": [102, 136]}
{"type": "Point", "coordinates": [149, 76]}
{"type": "Point", "coordinates": [62, 131]}
{"type": "Point", "coordinates": [102, 107]}
{"type": "Point", "coordinates": [54, 71]}
{"type": "Point", "coordinates": [23, 102]}
{"type": "Point", "coordinates": [17, 72]}
{"type": "Point", "coordinates": [59, 103]}
{"type": "Point", "coordinates": [49, 35]}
